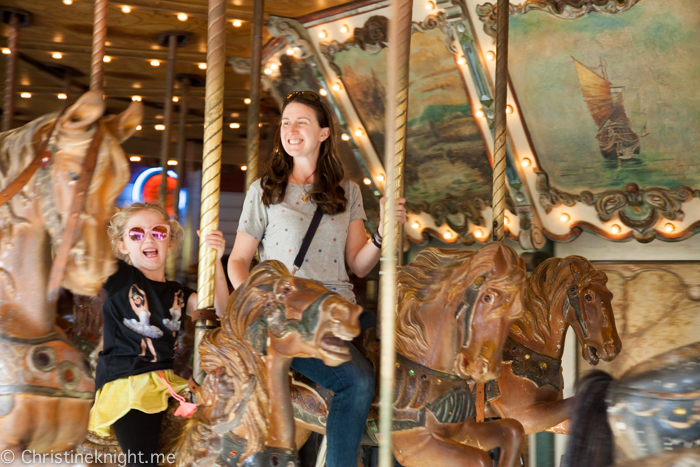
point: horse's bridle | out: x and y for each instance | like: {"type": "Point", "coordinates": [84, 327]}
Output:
{"type": "Point", "coordinates": [573, 299]}
{"type": "Point", "coordinates": [43, 160]}
{"type": "Point", "coordinates": [468, 303]}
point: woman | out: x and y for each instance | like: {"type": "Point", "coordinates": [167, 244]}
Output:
{"type": "Point", "coordinates": [304, 174]}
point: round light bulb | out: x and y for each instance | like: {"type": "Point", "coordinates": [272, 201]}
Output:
{"type": "Point", "coordinates": [366, 181]}
{"type": "Point", "coordinates": [247, 100]}
{"type": "Point", "coordinates": [6, 51]}
{"type": "Point", "coordinates": [237, 23]}
{"type": "Point", "coordinates": [235, 126]}
{"type": "Point", "coordinates": [136, 98]}
{"type": "Point", "coordinates": [564, 217]}
{"type": "Point", "coordinates": [359, 132]}
{"type": "Point", "coordinates": [336, 86]}
{"type": "Point", "coordinates": [62, 96]}
{"type": "Point", "coordinates": [274, 66]}
{"type": "Point", "coordinates": [155, 63]}
{"type": "Point", "coordinates": [478, 233]}
{"type": "Point", "coordinates": [344, 29]}
{"type": "Point", "coordinates": [506, 220]}
{"type": "Point", "coordinates": [447, 235]}
{"type": "Point", "coordinates": [322, 92]}
{"type": "Point", "coordinates": [244, 168]}
{"type": "Point", "coordinates": [176, 99]}
{"type": "Point", "coordinates": [380, 177]}
{"type": "Point", "coordinates": [490, 55]}
{"type": "Point", "coordinates": [290, 51]}
{"type": "Point", "coordinates": [182, 16]}
{"type": "Point", "coordinates": [57, 55]}
{"type": "Point", "coordinates": [160, 127]}
{"type": "Point", "coordinates": [67, 2]}
{"type": "Point", "coordinates": [268, 71]}
{"type": "Point", "coordinates": [126, 9]}
{"type": "Point", "coordinates": [322, 34]}
{"type": "Point", "coordinates": [135, 158]}
{"type": "Point", "coordinates": [669, 227]}
{"type": "Point", "coordinates": [106, 59]}
{"type": "Point", "coordinates": [461, 60]}
{"type": "Point", "coordinates": [415, 225]}
{"type": "Point", "coordinates": [172, 162]}
{"type": "Point", "coordinates": [480, 113]}
{"type": "Point", "coordinates": [26, 95]}
{"type": "Point", "coordinates": [138, 127]}
{"type": "Point", "coordinates": [202, 66]}
{"type": "Point", "coordinates": [615, 229]}
{"type": "Point", "coordinates": [525, 162]}
{"type": "Point", "coordinates": [429, 6]}
{"type": "Point", "coordinates": [509, 109]}
{"type": "Point", "coordinates": [345, 137]}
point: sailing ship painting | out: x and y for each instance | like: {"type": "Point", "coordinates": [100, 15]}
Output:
{"type": "Point", "coordinates": [616, 138]}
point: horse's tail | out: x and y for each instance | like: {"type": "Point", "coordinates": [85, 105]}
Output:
{"type": "Point", "coordinates": [590, 437]}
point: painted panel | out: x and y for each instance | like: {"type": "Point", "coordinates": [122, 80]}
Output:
{"type": "Point", "coordinates": [633, 120]}
{"type": "Point", "coordinates": [445, 151]}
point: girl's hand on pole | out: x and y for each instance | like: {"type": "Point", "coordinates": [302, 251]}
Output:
{"type": "Point", "coordinates": [400, 211]}
{"type": "Point", "coordinates": [215, 239]}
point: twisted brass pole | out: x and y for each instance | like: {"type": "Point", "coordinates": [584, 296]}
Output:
{"type": "Point", "coordinates": [99, 34]}
{"type": "Point", "coordinates": [499, 156]}
{"type": "Point", "coordinates": [211, 167]}
{"type": "Point", "coordinates": [253, 133]}
{"type": "Point", "coordinates": [167, 121]}
{"type": "Point", "coordinates": [11, 74]}
{"type": "Point", "coordinates": [395, 149]}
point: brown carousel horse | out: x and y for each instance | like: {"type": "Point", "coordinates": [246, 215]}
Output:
{"type": "Point", "coordinates": [650, 417]}
{"type": "Point", "coordinates": [559, 294]}
{"type": "Point", "coordinates": [454, 311]}
{"type": "Point", "coordinates": [59, 178]}
{"type": "Point", "coordinates": [245, 415]}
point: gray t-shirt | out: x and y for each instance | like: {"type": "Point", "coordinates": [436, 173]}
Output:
{"type": "Point", "coordinates": [281, 229]}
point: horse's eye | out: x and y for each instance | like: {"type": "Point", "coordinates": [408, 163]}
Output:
{"type": "Point", "coordinates": [588, 297]}
{"type": "Point", "coordinates": [573, 289]}
{"type": "Point", "coordinates": [286, 291]}
{"type": "Point", "coordinates": [487, 298]}
{"type": "Point", "coordinates": [73, 176]}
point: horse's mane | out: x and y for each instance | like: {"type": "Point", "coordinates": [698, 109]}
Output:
{"type": "Point", "coordinates": [421, 281]}
{"type": "Point", "coordinates": [227, 348]}
{"type": "Point", "coordinates": [544, 286]}
{"type": "Point", "coordinates": [18, 147]}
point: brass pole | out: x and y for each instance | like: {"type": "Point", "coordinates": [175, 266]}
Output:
{"type": "Point", "coordinates": [167, 120]}
{"type": "Point", "coordinates": [211, 167]}
{"type": "Point", "coordinates": [11, 73]}
{"type": "Point", "coordinates": [99, 33]}
{"type": "Point", "coordinates": [253, 133]}
{"type": "Point", "coordinates": [396, 119]}
{"type": "Point", "coordinates": [499, 157]}
{"type": "Point", "coordinates": [180, 155]}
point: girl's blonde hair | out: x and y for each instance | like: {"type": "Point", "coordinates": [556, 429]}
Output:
{"type": "Point", "coordinates": [119, 220]}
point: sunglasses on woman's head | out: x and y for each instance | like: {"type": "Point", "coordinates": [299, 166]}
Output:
{"type": "Point", "coordinates": [158, 232]}
{"type": "Point", "coordinates": [307, 95]}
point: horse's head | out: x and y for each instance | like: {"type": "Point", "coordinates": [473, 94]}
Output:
{"type": "Point", "coordinates": [588, 310]}
{"type": "Point", "coordinates": [490, 303]}
{"type": "Point", "coordinates": [90, 259]}
{"type": "Point", "coordinates": [301, 318]}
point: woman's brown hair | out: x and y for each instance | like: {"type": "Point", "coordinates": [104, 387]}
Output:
{"type": "Point", "coordinates": [326, 191]}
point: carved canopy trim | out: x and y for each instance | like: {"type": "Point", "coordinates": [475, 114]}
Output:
{"type": "Point", "coordinates": [564, 9]}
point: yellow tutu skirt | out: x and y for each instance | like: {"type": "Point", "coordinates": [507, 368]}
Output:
{"type": "Point", "coordinates": [145, 392]}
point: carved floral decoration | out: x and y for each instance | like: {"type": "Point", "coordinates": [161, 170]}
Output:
{"type": "Point", "coordinates": [564, 9]}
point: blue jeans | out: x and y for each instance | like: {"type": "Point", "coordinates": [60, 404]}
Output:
{"type": "Point", "coordinates": [353, 385]}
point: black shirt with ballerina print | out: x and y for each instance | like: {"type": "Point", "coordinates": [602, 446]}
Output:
{"type": "Point", "coordinates": [141, 321]}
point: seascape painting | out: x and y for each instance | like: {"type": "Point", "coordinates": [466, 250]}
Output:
{"type": "Point", "coordinates": [445, 151]}
{"type": "Point", "coordinates": [611, 101]}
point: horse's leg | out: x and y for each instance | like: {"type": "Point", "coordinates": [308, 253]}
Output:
{"type": "Point", "coordinates": [537, 408]}
{"type": "Point", "coordinates": [421, 448]}
{"type": "Point", "coordinates": [507, 434]}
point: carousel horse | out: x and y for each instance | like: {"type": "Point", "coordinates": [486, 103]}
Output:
{"type": "Point", "coordinates": [560, 293]}
{"type": "Point", "coordinates": [245, 414]}
{"type": "Point", "coordinates": [650, 417]}
{"type": "Point", "coordinates": [60, 176]}
{"type": "Point", "coordinates": [454, 311]}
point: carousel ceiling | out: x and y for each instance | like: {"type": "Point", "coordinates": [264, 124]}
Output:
{"type": "Point", "coordinates": [603, 101]}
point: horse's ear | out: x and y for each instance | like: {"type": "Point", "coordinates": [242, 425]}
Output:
{"type": "Point", "coordinates": [86, 111]}
{"type": "Point", "coordinates": [576, 271]}
{"type": "Point", "coordinates": [127, 121]}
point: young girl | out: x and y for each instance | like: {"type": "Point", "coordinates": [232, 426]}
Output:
{"type": "Point", "coordinates": [305, 174]}
{"type": "Point", "coordinates": [142, 313]}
